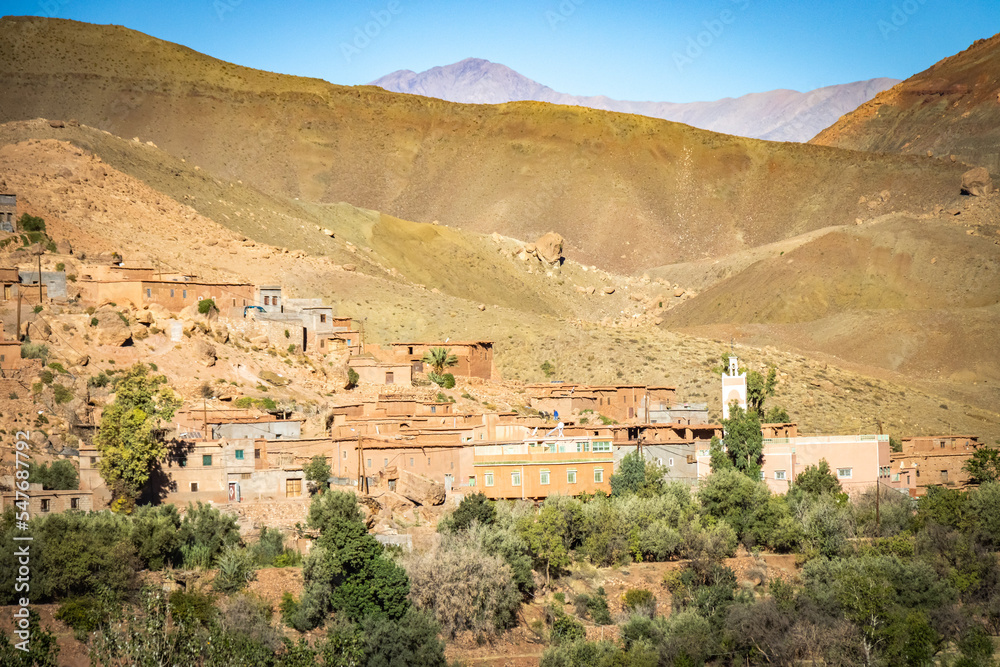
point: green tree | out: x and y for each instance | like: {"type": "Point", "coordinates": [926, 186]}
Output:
{"type": "Point", "coordinates": [719, 458]}
{"type": "Point", "coordinates": [31, 223]}
{"type": "Point", "coordinates": [318, 472]}
{"type": "Point", "coordinates": [744, 440]}
{"type": "Point", "coordinates": [759, 389]}
{"type": "Point", "coordinates": [817, 480]}
{"type": "Point", "coordinates": [129, 436]}
{"type": "Point", "coordinates": [42, 649]}
{"type": "Point", "coordinates": [638, 476]}
{"type": "Point", "coordinates": [545, 535]}
{"type": "Point", "coordinates": [439, 358]}
{"type": "Point", "coordinates": [777, 415]}
{"type": "Point", "coordinates": [59, 476]}
{"type": "Point", "coordinates": [206, 306]}
{"type": "Point", "coordinates": [352, 378]}
{"type": "Point", "coordinates": [984, 465]}
{"type": "Point", "coordinates": [474, 507]}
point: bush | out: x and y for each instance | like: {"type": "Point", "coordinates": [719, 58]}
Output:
{"type": "Point", "coordinates": [565, 628]}
{"type": "Point", "coordinates": [62, 394]}
{"type": "Point", "coordinates": [57, 476]}
{"type": "Point", "coordinates": [475, 507]}
{"type": "Point", "coordinates": [31, 350]}
{"type": "Point", "coordinates": [31, 223]}
{"type": "Point", "coordinates": [194, 608]}
{"type": "Point", "coordinates": [84, 615]}
{"type": "Point", "coordinates": [100, 380]}
{"type": "Point", "coordinates": [639, 600]}
{"type": "Point", "coordinates": [206, 306]}
{"type": "Point", "coordinates": [236, 569]}
{"type": "Point", "coordinates": [352, 378]}
{"type": "Point", "coordinates": [595, 606]}
{"type": "Point", "coordinates": [464, 587]}
{"type": "Point", "coordinates": [60, 267]}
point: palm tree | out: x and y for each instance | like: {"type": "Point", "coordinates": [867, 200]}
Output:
{"type": "Point", "coordinates": [439, 358]}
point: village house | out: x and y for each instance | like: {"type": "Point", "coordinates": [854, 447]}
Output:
{"type": "Point", "coordinates": [44, 501]}
{"type": "Point", "coordinates": [9, 281]}
{"type": "Point", "coordinates": [540, 466]}
{"type": "Point", "coordinates": [10, 354]}
{"type": "Point", "coordinates": [937, 460]}
{"type": "Point", "coordinates": [622, 403]}
{"type": "Point", "coordinates": [475, 358]}
{"type": "Point", "coordinates": [858, 461]}
{"type": "Point", "coordinates": [8, 212]}
{"type": "Point", "coordinates": [373, 371]}
{"type": "Point", "coordinates": [236, 423]}
{"type": "Point", "coordinates": [140, 286]}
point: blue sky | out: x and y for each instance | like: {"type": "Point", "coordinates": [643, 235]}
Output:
{"type": "Point", "coordinates": [662, 51]}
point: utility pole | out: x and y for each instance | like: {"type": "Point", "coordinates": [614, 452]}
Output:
{"type": "Point", "coordinates": [40, 251]}
{"type": "Point", "coordinates": [20, 296]}
{"type": "Point", "coordinates": [363, 481]}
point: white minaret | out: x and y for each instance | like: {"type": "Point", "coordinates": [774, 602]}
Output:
{"type": "Point", "coordinates": [734, 387]}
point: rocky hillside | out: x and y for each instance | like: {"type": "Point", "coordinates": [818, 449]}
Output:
{"type": "Point", "coordinates": [952, 108]}
{"type": "Point", "coordinates": [776, 115]}
{"type": "Point", "coordinates": [626, 192]}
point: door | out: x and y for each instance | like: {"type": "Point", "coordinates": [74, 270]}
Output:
{"type": "Point", "coordinates": [447, 482]}
{"type": "Point", "coordinates": [233, 493]}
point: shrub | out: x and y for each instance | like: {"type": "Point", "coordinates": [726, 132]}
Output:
{"type": "Point", "coordinates": [475, 507]}
{"type": "Point", "coordinates": [37, 309]}
{"type": "Point", "coordinates": [565, 628]}
{"type": "Point", "coordinates": [194, 608]}
{"type": "Point", "coordinates": [84, 615]}
{"type": "Point", "coordinates": [206, 306]}
{"type": "Point", "coordinates": [58, 368]}
{"type": "Point", "coordinates": [236, 569]}
{"type": "Point", "coordinates": [60, 267]}
{"type": "Point", "coordinates": [62, 394]}
{"type": "Point", "coordinates": [640, 600]}
{"type": "Point", "coordinates": [46, 377]}
{"type": "Point", "coordinates": [100, 380]}
{"type": "Point", "coordinates": [352, 378]}
{"type": "Point", "coordinates": [31, 223]}
{"type": "Point", "coordinates": [465, 588]}
{"type": "Point", "coordinates": [595, 606]}
{"type": "Point", "coordinates": [31, 350]}
{"type": "Point", "coordinates": [94, 321]}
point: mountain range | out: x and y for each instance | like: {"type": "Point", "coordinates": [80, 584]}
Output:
{"type": "Point", "coordinates": [776, 115]}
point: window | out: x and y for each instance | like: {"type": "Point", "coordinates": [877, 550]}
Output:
{"type": "Point", "coordinates": [171, 293]}
{"type": "Point", "coordinates": [385, 462]}
{"type": "Point", "coordinates": [602, 446]}
{"type": "Point", "coordinates": [322, 342]}
{"type": "Point", "coordinates": [428, 460]}
{"type": "Point", "coordinates": [200, 298]}
{"type": "Point", "coordinates": [149, 292]}
{"type": "Point", "coordinates": [472, 480]}
{"type": "Point", "coordinates": [845, 473]}
{"type": "Point", "coordinates": [411, 461]}
{"type": "Point", "coordinates": [234, 302]}
{"type": "Point", "coordinates": [2, 358]}
{"type": "Point", "coordinates": [779, 474]}
{"type": "Point", "coordinates": [45, 504]}
{"type": "Point", "coordinates": [267, 301]}
{"type": "Point", "coordinates": [944, 475]}
{"type": "Point", "coordinates": [670, 462]}
{"type": "Point", "coordinates": [274, 301]}
{"type": "Point", "coordinates": [256, 453]}
{"type": "Point", "coordinates": [884, 471]}
{"type": "Point", "coordinates": [182, 461]}
{"type": "Point", "coordinates": [762, 475]}
{"type": "Point", "coordinates": [194, 487]}
{"type": "Point", "coordinates": [488, 478]}
{"type": "Point", "coordinates": [369, 463]}
{"type": "Point", "coordinates": [452, 465]}
{"type": "Point", "coordinates": [434, 409]}
{"type": "Point", "coordinates": [184, 294]}
{"type": "Point", "coordinates": [389, 377]}
{"type": "Point", "coordinates": [543, 477]}
{"type": "Point", "coordinates": [206, 459]}
{"type": "Point", "coordinates": [293, 488]}
{"type": "Point", "coordinates": [571, 477]}
{"type": "Point", "coordinates": [74, 503]}
{"type": "Point", "coordinates": [239, 454]}
{"type": "Point", "coordinates": [583, 446]}
{"type": "Point", "coordinates": [322, 318]}
{"type": "Point", "coordinates": [515, 479]}
{"type": "Point", "coordinates": [598, 475]}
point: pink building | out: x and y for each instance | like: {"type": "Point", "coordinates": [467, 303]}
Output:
{"type": "Point", "coordinates": [858, 461]}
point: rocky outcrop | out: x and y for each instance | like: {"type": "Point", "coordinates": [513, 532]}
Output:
{"type": "Point", "coordinates": [550, 247]}
{"type": "Point", "coordinates": [110, 328]}
{"type": "Point", "coordinates": [420, 489]}
{"type": "Point", "coordinates": [977, 182]}
{"type": "Point", "coordinates": [204, 353]}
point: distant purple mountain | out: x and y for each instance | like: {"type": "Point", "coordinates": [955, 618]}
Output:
{"type": "Point", "coordinates": [777, 115]}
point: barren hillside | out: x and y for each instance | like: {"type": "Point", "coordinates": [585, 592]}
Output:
{"type": "Point", "coordinates": [952, 107]}
{"type": "Point", "coordinates": [627, 192]}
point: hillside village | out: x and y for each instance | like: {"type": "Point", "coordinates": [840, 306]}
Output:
{"type": "Point", "coordinates": [526, 384]}
{"type": "Point", "coordinates": [388, 426]}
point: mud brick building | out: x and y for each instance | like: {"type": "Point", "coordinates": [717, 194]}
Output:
{"type": "Point", "coordinates": [8, 212]}
{"type": "Point", "coordinates": [933, 460]}
{"type": "Point", "coordinates": [475, 358]}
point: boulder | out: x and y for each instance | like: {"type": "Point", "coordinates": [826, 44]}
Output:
{"type": "Point", "coordinates": [39, 330]}
{"type": "Point", "coordinates": [678, 292]}
{"type": "Point", "coordinates": [393, 502]}
{"type": "Point", "coordinates": [977, 182]}
{"type": "Point", "coordinates": [609, 290]}
{"type": "Point", "coordinates": [145, 317]}
{"type": "Point", "coordinates": [274, 378]}
{"type": "Point", "coordinates": [111, 329]}
{"type": "Point", "coordinates": [420, 489]}
{"type": "Point", "coordinates": [550, 247]}
{"type": "Point", "coordinates": [204, 353]}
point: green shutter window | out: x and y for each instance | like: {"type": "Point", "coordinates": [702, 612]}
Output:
{"type": "Point", "coordinates": [239, 454]}
{"type": "Point", "coordinates": [206, 459]}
